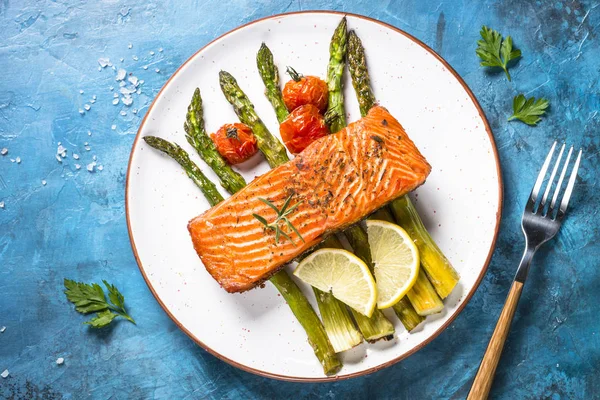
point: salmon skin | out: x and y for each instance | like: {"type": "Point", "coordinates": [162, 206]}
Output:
{"type": "Point", "coordinates": [338, 180]}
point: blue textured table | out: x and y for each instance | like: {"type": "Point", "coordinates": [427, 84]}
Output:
{"type": "Point", "coordinates": [59, 221]}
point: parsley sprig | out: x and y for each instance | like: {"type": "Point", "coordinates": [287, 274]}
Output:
{"type": "Point", "coordinates": [89, 298]}
{"type": "Point", "coordinates": [528, 110]}
{"type": "Point", "coordinates": [281, 217]}
{"type": "Point", "coordinates": [494, 51]}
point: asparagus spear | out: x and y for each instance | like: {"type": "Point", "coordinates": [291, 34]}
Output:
{"type": "Point", "coordinates": [270, 77]}
{"type": "Point", "coordinates": [317, 337]}
{"type": "Point", "coordinates": [378, 326]}
{"type": "Point", "coordinates": [437, 267]}
{"type": "Point", "coordinates": [335, 115]}
{"type": "Point", "coordinates": [338, 325]}
{"type": "Point", "coordinates": [272, 149]}
{"type": "Point", "coordinates": [407, 314]}
{"type": "Point", "coordinates": [196, 136]}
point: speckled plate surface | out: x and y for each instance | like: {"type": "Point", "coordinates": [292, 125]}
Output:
{"type": "Point", "coordinates": [460, 202]}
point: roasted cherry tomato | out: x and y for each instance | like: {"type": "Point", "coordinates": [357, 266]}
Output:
{"type": "Point", "coordinates": [302, 127]}
{"type": "Point", "coordinates": [303, 90]}
{"type": "Point", "coordinates": [235, 142]}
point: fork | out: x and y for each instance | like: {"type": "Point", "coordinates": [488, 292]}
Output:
{"type": "Point", "coordinates": [540, 223]}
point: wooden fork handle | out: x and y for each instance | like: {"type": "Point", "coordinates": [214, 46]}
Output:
{"type": "Point", "coordinates": [487, 369]}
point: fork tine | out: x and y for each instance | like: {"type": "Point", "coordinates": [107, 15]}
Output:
{"type": "Point", "coordinates": [560, 181]}
{"type": "Point", "coordinates": [565, 200]}
{"type": "Point", "coordinates": [552, 175]}
{"type": "Point", "coordinates": [540, 180]}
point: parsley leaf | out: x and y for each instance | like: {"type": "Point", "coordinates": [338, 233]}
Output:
{"type": "Point", "coordinates": [529, 110]}
{"type": "Point", "coordinates": [494, 51]}
{"type": "Point", "coordinates": [89, 298]}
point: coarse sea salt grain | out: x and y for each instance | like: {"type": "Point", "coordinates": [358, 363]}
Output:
{"type": "Point", "coordinates": [94, 97]}
{"type": "Point", "coordinates": [61, 149]}
{"type": "Point", "coordinates": [130, 46]}
{"type": "Point", "coordinates": [133, 80]}
{"type": "Point", "coordinates": [58, 158]}
{"type": "Point", "coordinates": [121, 73]}
{"type": "Point", "coordinates": [123, 113]}
{"type": "Point", "coordinates": [4, 151]}
{"type": "Point", "coordinates": [18, 160]}
{"type": "Point", "coordinates": [160, 50]}
{"type": "Point", "coordinates": [87, 148]}
{"type": "Point", "coordinates": [2, 329]}
{"type": "Point", "coordinates": [80, 91]}
{"type": "Point", "coordinates": [157, 70]}
{"type": "Point", "coordinates": [44, 182]}
{"type": "Point", "coordinates": [103, 62]}
{"type": "Point", "coordinates": [115, 95]}
{"type": "Point", "coordinates": [77, 166]}
{"type": "Point", "coordinates": [100, 167]}
{"type": "Point", "coordinates": [60, 361]}
{"type": "Point", "coordinates": [81, 111]}
{"type": "Point", "coordinates": [94, 158]}
{"type": "Point", "coordinates": [134, 111]}
{"type": "Point", "coordinates": [113, 127]}
{"type": "Point", "coordinates": [116, 101]}
{"type": "Point", "coordinates": [122, 83]}
{"type": "Point", "coordinates": [87, 107]}
{"type": "Point", "coordinates": [92, 101]}
{"type": "Point", "coordinates": [111, 88]}
{"type": "Point", "coordinates": [89, 133]}
{"type": "Point", "coordinates": [90, 166]}
{"type": "Point", "coordinates": [4, 373]}
{"type": "Point", "coordinates": [135, 58]}
{"type": "Point", "coordinates": [1, 204]}
{"type": "Point", "coordinates": [126, 90]}
{"type": "Point", "coordinates": [121, 59]}
{"type": "Point", "coordinates": [127, 100]}
{"type": "Point", "coordinates": [151, 53]}
{"type": "Point", "coordinates": [145, 67]}
{"type": "Point", "coordinates": [76, 156]}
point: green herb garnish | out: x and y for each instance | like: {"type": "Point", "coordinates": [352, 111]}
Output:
{"type": "Point", "coordinates": [494, 51]}
{"type": "Point", "coordinates": [90, 298]}
{"type": "Point", "coordinates": [281, 216]}
{"type": "Point", "coordinates": [528, 110]}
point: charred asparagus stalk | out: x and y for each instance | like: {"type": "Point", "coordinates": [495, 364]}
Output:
{"type": "Point", "coordinates": [437, 267]}
{"type": "Point", "coordinates": [378, 326]}
{"type": "Point", "coordinates": [317, 337]}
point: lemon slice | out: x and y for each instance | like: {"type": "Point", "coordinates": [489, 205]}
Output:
{"type": "Point", "coordinates": [343, 274]}
{"type": "Point", "coordinates": [396, 261]}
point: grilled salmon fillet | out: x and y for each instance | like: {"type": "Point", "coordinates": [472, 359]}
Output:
{"type": "Point", "coordinates": [337, 181]}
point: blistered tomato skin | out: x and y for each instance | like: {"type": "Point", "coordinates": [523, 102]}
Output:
{"type": "Point", "coordinates": [302, 127]}
{"type": "Point", "coordinates": [235, 142]}
{"type": "Point", "coordinates": [308, 90]}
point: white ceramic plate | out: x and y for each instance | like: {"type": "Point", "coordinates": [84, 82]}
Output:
{"type": "Point", "coordinates": [460, 203]}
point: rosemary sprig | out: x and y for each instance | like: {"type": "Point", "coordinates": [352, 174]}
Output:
{"type": "Point", "coordinates": [281, 216]}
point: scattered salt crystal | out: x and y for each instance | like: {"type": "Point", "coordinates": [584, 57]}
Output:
{"type": "Point", "coordinates": [99, 68]}
{"type": "Point", "coordinates": [58, 158]}
{"type": "Point", "coordinates": [133, 80]}
{"type": "Point", "coordinates": [127, 100]}
{"type": "Point", "coordinates": [61, 149]}
{"type": "Point", "coordinates": [115, 95]}
{"type": "Point", "coordinates": [111, 88]}
{"type": "Point", "coordinates": [12, 160]}
{"type": "Point", "coordinates": [76, 156]}
{"type": "Point", "coordinates": [64, 154]}
{"type": "Point", "coordinates": [157, 70]}
{"type": "Point", "coordinates": [151, 53]}
{"type": "Point", "coordinates": [103, 62]}
{"type": "Point", "coordinates": [122, 83]}
{"type": "Point", "coordinates": [89, 133]}
{"type": "Point", "coordinates": [43, 182]}
{"type": "Point", "coordinates": [81, 111]}
{"type": "Point", "coordinates": [139, 91]}
{"type": "Point", "coordinates": [122, 59]}
{"type": "Point", "coordinates": [113, 127]}
{"type": "Point", "coordinates": [135, 58]}
{"type": "Point", "coordinates": [116, 101]}
{"type": "Point", "coordinates": [134, 111]}
{"type": "Point", "coordinates": [124, 90]}
{"type": "Point", "coordinates": [114, 68]}
{"type": "Point", "coordinates": [4, 151]}
{"type": "Point", "coordinates": [87, 148]}
{"type": "Point", "coordinates": [160, 50]}
{"type": "Point", "coordinates": [77, 166]}
{"type": "Point", "coordinates": [130, 46]}
{"type": "Point", "coordinates": [145, 67]}
{"type": "Point", "coordinates": [87, 107]}
{"type": "Point", "coordinates": [100, 167]}
{"type": "Point", "coordinates": [2, 206]}
{"type": "Point", "coordinates": [121, 73]}
{"type": "Point", "coordinates": [86, 143]}
{"type": "Point", "coordinates": [80, 91]}
{"type": "Point", "coordinates": [111, 65]}
{"type": "Point", "coordinates": [2, 329]}
{"type": "Point", "coordinates": [92, 101]}
{"type": "Point", "coordinates": [18, 160]}
{"type": "Point", "coordinates": [141, 81]}
{"type": "Point", "coordinates": [123, 113]}
{"type": "Point", "coordinates": [94, 158]}
{"type": "Point", "coordinates": [4, 374]}
{"type": "Point", "coordinates": [60, 361]}
{"type": "Point", "coordinates": [90, 166]}
{"type": "Point", "coordinates": [94, 97]}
